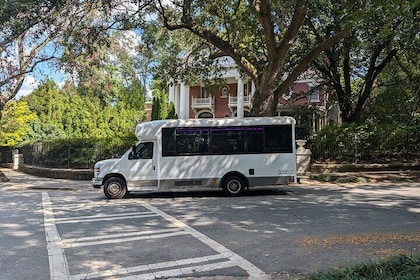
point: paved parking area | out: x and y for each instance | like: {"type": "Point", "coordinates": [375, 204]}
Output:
{"type": "Point", "coordinates": [72, 231]}
{"type": "Point", "coordinates": [89, 239]}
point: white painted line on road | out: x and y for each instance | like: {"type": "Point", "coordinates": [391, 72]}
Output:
{"type": "Point", "coordinates": [58, 264]}
{"type": "Point", "coordinates": [120, 235]}
{"type": "Point", "coordinates": [69, 244]}
{"type": "Point", "coordinates": [104, 218]}
{"type": "Point", "coordinates": [163, 265]}
{"type": "Point", "coordinates": [100, 216]}
{"type": "Point", "coordinates": [253, 271]}
{"type": "Point", "coordinates": [164, 274]}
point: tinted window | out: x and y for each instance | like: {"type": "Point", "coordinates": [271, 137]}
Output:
{"type": "Point", "coordinates": [142, 151]}
{"type": "Point", "coordinates": [228, 140]}
{"type": "Point", "coordinates": [168, 142]}
{"type": "Point", "coordinates": [278, 139]}
{"type": "Point", "coordinates": [255, 139]}
{"type": "Point", "coordinates": [192, 141]}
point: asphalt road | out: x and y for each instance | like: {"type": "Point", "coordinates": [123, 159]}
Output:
{"type": "Point", "coordinates": [69, 230]}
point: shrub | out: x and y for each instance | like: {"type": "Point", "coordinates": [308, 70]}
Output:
{"type": "Point", "coordinates": [74, 153]}
{"type": "Point", "coordinates": [366, 142]}
{"type": "Point", "coordinates": [397, 267]}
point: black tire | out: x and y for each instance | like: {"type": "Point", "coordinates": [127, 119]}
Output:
{"type": "Point", "coordinates": [233, 185]}
{"type": "Point", "coordinates": [114, 188]}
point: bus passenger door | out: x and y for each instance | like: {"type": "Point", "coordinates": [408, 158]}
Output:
{"type": "Point", "coordinates": [142, 167]}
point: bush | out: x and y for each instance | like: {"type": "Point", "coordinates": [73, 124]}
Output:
{"type": "Point", "coordinates": [366, 142]}
{"type": "Point", "coordinates": [397, 267]}
{"type": "Point", "coordinates": [74, 153]}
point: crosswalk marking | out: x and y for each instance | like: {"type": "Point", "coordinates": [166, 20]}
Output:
{"type": "Point", "coordinates": [99, 216]}
{"type": "Point", "coordinates": [58, 264]}
{"type": "Point", "coordinates": [253, 271]}
{"type": "Point", "coordinates": [59, 267]}
{"type": "Point", "coordinates": [152, 267]}
{"type": "Point", "coordinates": [181, 271]}
{"type": "Point", "coordinates": [67, 244]}
{"type": "Point", "coordinates": [104, 218]}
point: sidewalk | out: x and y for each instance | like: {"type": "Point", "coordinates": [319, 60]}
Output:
{"type": "Point", "coordinates": [371, 177]}
{"type": "Point", "coordinates": [20, 180]}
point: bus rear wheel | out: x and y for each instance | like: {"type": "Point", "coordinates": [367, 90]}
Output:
{"type": "Point", "coordinates": [115, 187]}
{"type": "Point", "coordinates": [233, 186]}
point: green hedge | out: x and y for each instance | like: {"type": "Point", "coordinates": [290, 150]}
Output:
{"type": "Point", "coordinates": [367, 142]}
{"type": "Point", "coordinates": [74, 153]}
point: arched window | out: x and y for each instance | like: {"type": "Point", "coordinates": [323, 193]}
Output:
{"type": "Point", "coordinates": [205, 115]}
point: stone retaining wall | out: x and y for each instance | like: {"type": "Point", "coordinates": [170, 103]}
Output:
{"type": "Point", "coordinates": [371, 167]}
{"type": "Point", "coordinates": [56, 173]}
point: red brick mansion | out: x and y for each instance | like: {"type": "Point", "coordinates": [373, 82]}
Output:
{"type": "Point", "coordinates": [233, 99]}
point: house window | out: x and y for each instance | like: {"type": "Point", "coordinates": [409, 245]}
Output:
{"type": "Point", "coordinates": [314, 95]}
{"type": "Point", "coordinates": [205, 115]}
{"type": "Point", "coordinates": [224, 91]}
{"type": "Point", "coordinates": [205, 92]}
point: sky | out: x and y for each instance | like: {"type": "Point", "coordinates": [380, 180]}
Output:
{"type": "Point", "coordinates": [33, 80]}
{"type": "Point", "coordinates": [29, 84]}
{"type": "Point", "coordinates": [45, 70]}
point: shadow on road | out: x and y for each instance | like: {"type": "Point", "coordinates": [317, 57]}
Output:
{"type": "Point", "coordinates": [206, 193]}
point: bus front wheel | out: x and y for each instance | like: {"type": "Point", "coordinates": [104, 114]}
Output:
{"type": "Point", "coordinates": [233, 186]}
{"type": "Point", "coordinates": [115, 187]}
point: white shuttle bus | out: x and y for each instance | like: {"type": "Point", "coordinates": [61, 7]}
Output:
{"type": "Point", "coordinates": [229, 154]}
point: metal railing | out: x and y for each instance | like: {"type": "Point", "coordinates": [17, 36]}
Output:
{"type": "Point", "coordinates": [233, 101]}
{"type": "Point", "coordinates": [202, 102]}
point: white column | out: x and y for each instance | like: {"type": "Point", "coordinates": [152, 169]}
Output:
{"type": "Point", "coordinates": [172, 93]}
{"type": "Point", "coordinates": [184, 102]}
{"type": "Point", "coordinates": [177, 101]}
{"type": "Point", "coordinates": [187, 102]}
{"type": "Point", "coordinates": [240, 95]}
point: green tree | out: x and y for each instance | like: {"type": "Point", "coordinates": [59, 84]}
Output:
{"type": "Point", "coordinates": [15, 123]}
{"type": "Point", "coordinates": [171, 112]}
{"type": "Point", "coordinates": [156, 108]}
{"type": "Point", "coordinates": [258, 35]}
{"type": "Point", "coordinates": [380, 31]}
{"type": "Point", "coordinates": [33, 33]}
{"type": "Point", "coordinates": [49, 105]}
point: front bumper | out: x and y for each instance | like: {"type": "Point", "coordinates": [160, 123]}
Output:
{"type": "Point", "coordinates": [97, 183]}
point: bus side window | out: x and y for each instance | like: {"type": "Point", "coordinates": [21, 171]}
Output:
{"type": "Point", "coordinates": [142, 151]}
{"type": "Point", "coordinates": [146, 152]}
{"type": "Point", "coordinates": [255, 139]}
{"type": "Point", "coordinates": [168, 142]}
{"type": "Point", "coordinates": [278, 139]}
{"type": "Point", "coordinates": [192, 141]}
{"type": "Point", "coordinates": [228, 140]}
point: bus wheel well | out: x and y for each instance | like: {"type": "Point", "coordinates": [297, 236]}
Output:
{"type": "Point", "coordinates": [115, 175]}
{"type": "Point", "coordinates": [234, 183]}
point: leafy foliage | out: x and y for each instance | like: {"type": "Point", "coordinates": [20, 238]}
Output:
{"type": "Point", "coordinates": [15, 123]}
{"type": "Point", "coordinates": [367, 142]}
{"type": "Point", "coordinates": [257, 35]}
{"type": "Point", "coordinates": [381, 31]}
{"type": "Point", "coordinates": [75, 152]}
{"type": "Point", "coordinates": [396, 267]}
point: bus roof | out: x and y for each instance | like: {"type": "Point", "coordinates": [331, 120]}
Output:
{"type": "Point", "coordinates": [150, 130]}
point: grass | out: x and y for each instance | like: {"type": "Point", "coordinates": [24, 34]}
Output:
{"type": "Point", "coordinates": [397, 267]}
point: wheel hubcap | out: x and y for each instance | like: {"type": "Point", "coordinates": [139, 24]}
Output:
{"type": "Point", "coordinates": [114, 188]}
{"type": "Point", "coordinates": [234, 186]}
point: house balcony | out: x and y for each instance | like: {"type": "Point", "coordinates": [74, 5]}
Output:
{"type": "Point", "coordinates": [199, 103]}
{"type": "Point", "coordinates": [233, 102]}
